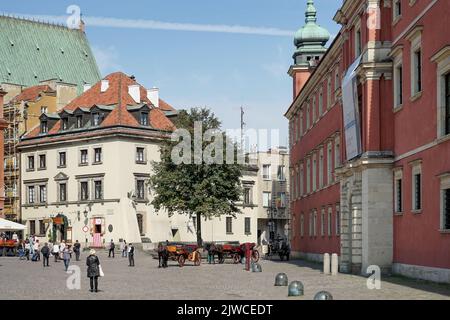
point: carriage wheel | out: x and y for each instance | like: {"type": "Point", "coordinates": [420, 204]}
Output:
{"type": "Point", "coordinates": [236, 258]}
{"type": "Point", "coordinates": [181, 260]}
{"type": "Point", "coordinates": [255, 256]}
{"type": "Point", "coordinates": [198, 259]}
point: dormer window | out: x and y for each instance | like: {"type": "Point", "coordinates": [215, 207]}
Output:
{"type": "Point", "coordinates": [65, 123]}
{"type": "Point", "coordinates": [96, 119]}
{"type": "Point", "coordinates": [79, 122]}
{"type": "Point", "coordinates": [143, 120]}
{"type": "Point", "coordinates": [44, 126]}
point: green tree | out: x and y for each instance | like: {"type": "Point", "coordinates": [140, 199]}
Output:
{"type": "Point", "coordinates": [197, 187]}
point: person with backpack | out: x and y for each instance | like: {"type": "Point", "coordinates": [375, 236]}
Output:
{"type": "Point", "coordinates": [76, 249]}
{"type": "Point", "coordinates": [45, 254]}
{"type": "Point", "coordinates": [112, 246]}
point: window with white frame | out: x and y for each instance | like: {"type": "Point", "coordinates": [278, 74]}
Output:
{"type": "Point", "coordinates": [281, 173]}
{"type": "Point", "coordinates": [329, 164]}
{"type": "Point", "coordinates": [297, 183]}
{"type": "Point", "coordinates": [320, 103]}
{"type": "Point", "coordinates": [43, 193]}
{"type": "Point", "coordinates": [337, 152]}
{"type": "Point", "coordinates": [398, 187]}
{"type": "Point", "coordinates": [267, 199]}
{"type": "Point", "coordinates": [445, 202]}
{"type": "Point", "coordinates": [397, 8]}
{"type": "Point", "coordinates": [31, 194]}
{"type": "Point", "coordinates": [329, 221]}
{"type": "Point", "coordinates": [84, 157]}
{"type": "Point", "coordinates": [140, 155]}
{"type": "Point", "coordinates": [98, 155]}
{"type": "Point", "coordinates": [62, 191]}
{"type": "Point", "coordinates": [322, 222]}
{"type": "Point", "coordinates": [442, 59]}
{"type": "Point", "coordinates": [141, 192]}
{"type": "Point", "coordinates": [62, 159]}
{"type": "Point", "coordinates": [337, 82]}
{"type": "Point", "coordinates": [301, 123]}
{"type": "Point", "coordinates": [415, 39]}
{"type": "Point", "coordinates": [308, 176]}
{"type": "Point", "coordinates": [266, 171]}
{"type": "Point", "coordinates": [329, 93]}
{"type": "Point", "coordinates": [321, 168]}
{"type": "Point", "coordinates": [313, 110]}
{"type": "Point", "coordinates": [296, 127]}
{"type": "Point", "coordinates": [282, 200]}
{"type": "Point", "coordinates": [398, 80]}
{"type": "Point", "coordinates": [315, 223]}
{"type": "Point", "coordinates": [338, 220]}
{"type": "Point", "coordinates": [84, 190]}
{"type": "Point", "coordinates": [42, 161]}
{"type": "Point", "coordinates": [311, 224]}
{"type": "Point", "coordinates": [30, 163]}
{"type": "Point", "coordinates": [447, 104]}
{"type": "Point", "coordinates": [98, 189]}
{"type": "Point", "coordinates": [417, 186]}
{"type": "Point", "coordinates": [301, 180]}
{"type": "Point", "coordinates": [308, 117]}
{"type": "Point", "coordinates": [314, 172]}
{"type": "Point", "coordinates": [358, 40]}
{"type": "Point", "coordinates": [302, 225]}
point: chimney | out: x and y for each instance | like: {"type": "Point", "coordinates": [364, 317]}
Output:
{"type": "Point", "coordinates": [105, 85]}
{"type": "Point", "coordinates": [134, 91]}
{"type": "Point", "coordinates": [153, 96]}
{"type": "Point", "coordinates": [86, 87]}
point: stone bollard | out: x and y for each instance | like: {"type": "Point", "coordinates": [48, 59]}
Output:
{"type": "Point", "coordinates": [326, 263]}
{"type": "Point", "coordinates": [334, 264]}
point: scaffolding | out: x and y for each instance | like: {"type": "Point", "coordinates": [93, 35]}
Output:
{"type": "Point", "coordinates": [13, 115]}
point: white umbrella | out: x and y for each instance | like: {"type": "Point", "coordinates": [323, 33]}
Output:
{"type": "Point", "coordinates": [6, 225]}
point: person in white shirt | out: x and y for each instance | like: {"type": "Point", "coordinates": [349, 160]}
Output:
{"type": "Point", "coordinates": [36, 247]}
{"type": "Point", "coordinates": [15, 237]}
{"type": "Point", "coordinates": [55, 251]}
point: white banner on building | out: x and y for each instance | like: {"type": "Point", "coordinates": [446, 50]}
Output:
{"type": "Point", "coordinates": [351, 113]}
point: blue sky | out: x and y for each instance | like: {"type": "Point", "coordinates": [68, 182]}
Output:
{"type": "Point", "coordinates": [220, 70]}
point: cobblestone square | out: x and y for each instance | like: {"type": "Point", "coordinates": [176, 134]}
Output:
{"type": "Point", "coordinates": [21, 279]}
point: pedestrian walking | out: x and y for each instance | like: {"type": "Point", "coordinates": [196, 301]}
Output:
{"type": "Point", "coordinates": [67, 254]}
{"type": "Point", "coordinates": [131, 255]}
{"type": "Point", "coordinates": [112, 246]}
{"type": "Point", "coordinates": [27, 249]}
{"type": "Point", "coordinates": [93, 270]}
{"type": "Point", "coordinates": [45, 254]}
{"type": "Point", "coordinates": [55, 251]}
{"type": "Point", "coordinates": [124, 248]}
{"type": "Point", "coordinates": [160, 255]}
{"type": "Point", "coordinates": [37, 252]}
{"type": "Point", "coordinates": [77, 249]}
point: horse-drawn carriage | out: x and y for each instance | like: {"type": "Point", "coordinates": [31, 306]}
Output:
{"type": "Point", "coordinates": [235, 251]}
{"type": "Point", "coordinates": [180, 252]}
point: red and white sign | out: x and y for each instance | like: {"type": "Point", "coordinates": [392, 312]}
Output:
{"type": "Point", "coordinates": [85, 229]}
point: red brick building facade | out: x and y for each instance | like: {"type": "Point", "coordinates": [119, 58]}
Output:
{"type": "Point", "coordinates": [369, 136]}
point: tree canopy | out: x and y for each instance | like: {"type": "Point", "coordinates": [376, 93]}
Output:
{"type": "Point", "coordinates": [200, 189]}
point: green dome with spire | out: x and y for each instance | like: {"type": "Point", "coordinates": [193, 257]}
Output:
{"type": "Point", "coordinates": [311, 38]}
{"type": "Point", "coordinates": [311, 32]}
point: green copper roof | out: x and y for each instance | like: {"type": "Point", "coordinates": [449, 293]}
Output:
{"type": "Point", "coordinates": [311, 34]}
{"type": "Point", "coordinates": [32, 51]}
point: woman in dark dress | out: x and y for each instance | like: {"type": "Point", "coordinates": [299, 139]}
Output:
{"type": "Point", "coordinates": [93, 270]}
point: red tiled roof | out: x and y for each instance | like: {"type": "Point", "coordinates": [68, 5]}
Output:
{"type": "Point", "coordinates": [117, 95]}
{"type": "Point", "coordinates": [32, 93]}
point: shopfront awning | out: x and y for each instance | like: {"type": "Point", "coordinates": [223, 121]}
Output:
{"type": "Point", "coordinates": [6, 225]}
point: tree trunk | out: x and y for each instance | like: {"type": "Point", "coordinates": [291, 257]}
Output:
{"type": "Point", "coordinates": [199, 230]}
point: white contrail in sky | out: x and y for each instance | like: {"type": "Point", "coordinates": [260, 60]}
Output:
{"type": "Point", "coordinates": [159, 25]}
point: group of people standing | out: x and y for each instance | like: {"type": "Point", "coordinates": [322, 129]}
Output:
{"type": "Point", "coordinates": [126, 249]}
